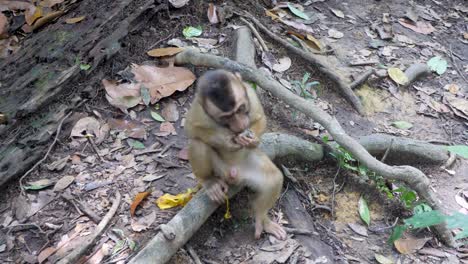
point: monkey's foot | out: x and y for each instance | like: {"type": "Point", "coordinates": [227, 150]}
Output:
{"type": "Point", "coordinates": [217, 191]}
{"type": "Point", "coordinates": [269, 227]}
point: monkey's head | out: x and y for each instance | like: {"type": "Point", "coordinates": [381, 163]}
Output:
{"type": "Point", "coordinates": [224, 98]}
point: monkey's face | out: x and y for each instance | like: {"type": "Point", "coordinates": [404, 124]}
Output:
{"type": "Point", "coordinates": [237, 119]}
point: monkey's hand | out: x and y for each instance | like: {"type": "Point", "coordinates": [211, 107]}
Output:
{"type": "Point", "coordinates": [247, 139]}
{"type": "Point", "coordinates": [217, 190]}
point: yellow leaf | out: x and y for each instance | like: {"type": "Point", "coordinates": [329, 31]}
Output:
{"type": "Point", "coordinates": [313, 42]}
{"type": "Point", "coordinates": [169, 201]}
{"type": "Point", "coordinates": [227, 215]}
{"type": "Point", "coordinates": [164, 52]}
{"type": "Point", "coordinates": [74, 20]}
{"type": "Point", "coordinates": [271, 14]}
{"type": "Point", "coordinates": [398, 76]}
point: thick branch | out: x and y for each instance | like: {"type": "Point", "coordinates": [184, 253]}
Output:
{"type": "Point", "coordinates": [410, 175]}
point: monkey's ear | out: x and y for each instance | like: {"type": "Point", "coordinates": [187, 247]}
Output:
{"type": "Point", "coordinates": [238, 75]}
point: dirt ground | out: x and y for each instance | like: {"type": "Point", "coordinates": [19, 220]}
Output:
{"type": "Point", "coordinates": [49, 226]}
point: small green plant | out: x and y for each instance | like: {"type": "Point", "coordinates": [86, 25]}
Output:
{"type": "Point", "coordinates": [305, 86]}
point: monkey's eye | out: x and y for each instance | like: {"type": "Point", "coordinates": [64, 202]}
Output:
{"type": "Point", "coordinates": [242, 109]}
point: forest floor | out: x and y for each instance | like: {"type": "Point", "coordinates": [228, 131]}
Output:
{"type": "Point", "coordinates": [351, 30]}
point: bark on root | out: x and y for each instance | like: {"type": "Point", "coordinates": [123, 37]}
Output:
{"type": "Point", "coordinates": [416, 179]}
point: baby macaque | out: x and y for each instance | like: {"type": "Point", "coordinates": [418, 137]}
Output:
{"type": "Point", "coordinates": [224, 125]}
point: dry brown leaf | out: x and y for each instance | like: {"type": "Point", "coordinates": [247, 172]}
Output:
{"type": "Point", "coordinates": [458, 103]}
{"type": "Point", "coordinates": [167, 127]}
{"type": "Point", "coordinates": [272, 15]}
{"type": "Point", "coordinates": [75, 20]}
{"type": "Point", "coordinates": [131, 128]}
{"type": "Point", "coordinates": [183, 154]}
{"type": "Point", "coordinates": [3, 26]}
{"type": "Point", "coordinates": [420, 26]}
{"type": "Point", "coordinates": [212, 15]}
{"type": "Point", "coordinates": [75, 159]}
{"type": "Point", "coordinates": [453, 88]}
{"type": "Point", "coordinates": [47, 252]}
{"type": "Point", "coordinates": [163, 82]}
{"type": "Point", "coordinates": [104, 251]}
{"type": "Point", "coordinates": [164, 52]}
{"type": "Point", "coordinates": [86, 125]}
{"type": "Point", "coordinates": [283, 64]}
{"type": "Point", "coordinates": [47, 18]}
{"type": "Point", "coordinates": [170, 112]}
{"type": "Point", "coordinates": [138, 198]}
{"type": "Point", "coordinates": [33, 14]}
{"type": "Point", "coordinates": [63, 183]}
{"type": "Point", "coordinates": [410, 245]}
{"type": "Point", "coordinates": [122, 96]}
{"type": "Point", "coordinates": [143, 223]}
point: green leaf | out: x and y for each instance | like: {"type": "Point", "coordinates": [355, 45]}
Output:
{"type": "Point", "coordinates": [131, 244]}
{"type": "Point", "coordinates": [397, 233]}
{"type": "Point", "coordinates": [402, 125]}
{"type": "Point", "coordinates": [85, 67]}
{"type": "Point", "coordinates": [460, 150]}
{"type": "Point", "coordinates": [190, 32]}
{"type": "Point", "coordinates": [421, 208]}
{"type": "Point", "coordinates": [437, 64]}
{"type": "Point", "coordinates": [39, 185]}
{"type": "Point", "coordinates": [157, 117]}
{"type": "Point", "coordinates": [135, 144]}
{"type": "Point", "coordinates": [297, 12]}
{"type": "Point", "coordinates": [118, 246]}
{"type": "Point", "coordinates": [145, 95]}
{"type": "Point", "coordinates": [425, 219]}
{"type": "Point", "coordinates": [458, 220]}
{"type": "Point", "coordinates": [364, 210]}
{"type": "Point", "coordinates": [408, 197]}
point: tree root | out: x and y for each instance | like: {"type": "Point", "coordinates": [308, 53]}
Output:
{"type": "Point", "coordinates": [318, 61]}
{"type": "Point", "coordinates": [81, 250]}
{"type": "Point", "coordinates": [416, 179]}
{"type": "Point", "coordinates": [404, 150]}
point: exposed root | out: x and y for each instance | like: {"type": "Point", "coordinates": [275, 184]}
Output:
{"type": "Point", "coordinates": [361, 79]}
{"type": "Point", "coordinates": [416, 179]}
{"type": "Point", "coordinates": [322, 65]}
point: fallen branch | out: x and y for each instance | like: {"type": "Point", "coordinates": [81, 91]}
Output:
{"type": "Point", "coordinates": [416, 179]}
{"type": "Point", "coordinates": [361, 79]}
{"type": "Point", "coordinates": [415, 71]}
{"type": "Point", "coordinates": [81, 250]}
{"type": "Point", "coordinates": [257, 35]}
{"type": "Point", "coordinates": [322, 65]}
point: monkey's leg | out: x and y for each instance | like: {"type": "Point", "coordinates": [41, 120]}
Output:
{"type": "Point", "coordinates": [267, 195]}
{"type": "Point", "coordinates": [202, 158]}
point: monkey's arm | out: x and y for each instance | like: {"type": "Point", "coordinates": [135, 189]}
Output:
{"type": "Point", "coordinates": [257, 123]}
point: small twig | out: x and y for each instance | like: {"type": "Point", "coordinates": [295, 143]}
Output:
{"type": "Point", "coordinates": [57, 133]}
{"type": "Point", "coordinates": [298, 231]}
{"type": "Point", "coordinates": [83, 208]}
{"type": "Point", "coordinates": [257, 35]}
{"type": "Point", "coordinates": [378, 230]}
{"type": "Point", "coordinates": [361, 79]}
{"type": "Point", "coordinates": [323, 207]}
{"type": "Point", "coordinates": [161, 40]}
{"type": "Point", "coordinates": [288, 174]}
{"type": "Point", "coordinates": [455, 64]}
{"type": "Point", "coordinates": [165, 149]}
{"type": "Point", "coordinates": [194, 255]}
{"type": "Point", "coordinates": [89, 137]}
{"type": "Point", "coordinates": [78, 252]}
{"type": "Point", "coordinates": [450, 161]}
{"type": "Point", "coordinates": [22, 227]}
{"type": "Point", "coordinates": [387, 151]}
{"type": "Point", "coordinates": [333, 193]}
{"type": "Point", "coordinates": [363, 63]}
